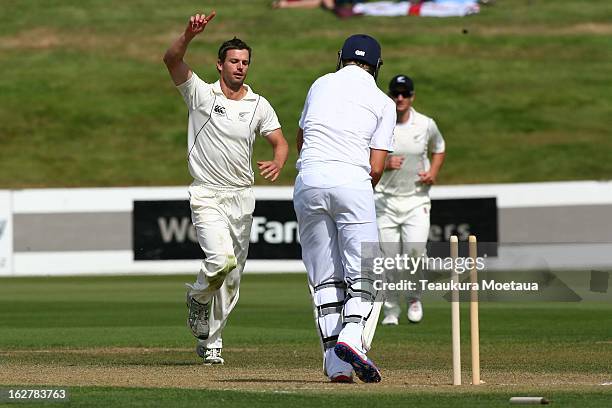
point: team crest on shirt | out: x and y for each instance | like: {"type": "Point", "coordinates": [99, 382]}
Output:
{"type": "Point", "coordinates": [219, 110]}
{"type": "Point", "coordinates": [243, 116]}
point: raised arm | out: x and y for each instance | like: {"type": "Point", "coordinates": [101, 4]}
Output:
{"type": "Point", "coordinates": [173, 58]}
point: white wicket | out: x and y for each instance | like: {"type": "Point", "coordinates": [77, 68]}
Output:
{"type": "Point", "coordinates": [474, 322]}
{"type": "Point", "coordinates": [455, 314]}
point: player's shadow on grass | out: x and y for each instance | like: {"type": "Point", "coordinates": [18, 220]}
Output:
{"type": "Point", "coordinates": [264, 380]}
{"type": "Point", "coordinates": [163, 363]}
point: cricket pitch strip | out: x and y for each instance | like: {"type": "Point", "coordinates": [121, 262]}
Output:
{"type": "Point", "coordinates": [110, 367]}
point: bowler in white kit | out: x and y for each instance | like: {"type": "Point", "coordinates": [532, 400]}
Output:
{"type": "Point", "coordinates": [224, 119]}
{"type": "Point", "coordinates": [345, 132]}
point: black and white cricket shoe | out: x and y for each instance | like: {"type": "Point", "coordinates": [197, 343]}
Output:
{"type": "Point", "coordinates": [198, 318]}
{"type": "Point", "coordinates": [211, 356]}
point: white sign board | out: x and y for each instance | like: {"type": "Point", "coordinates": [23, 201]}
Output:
{"type": "Point", "coordinates": [6, 234]}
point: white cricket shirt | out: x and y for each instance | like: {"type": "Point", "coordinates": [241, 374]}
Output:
{"type": "Point", "coordinates": [221, 133]}
{"type": "Point", "coordinates": [413, 140]}
{"type": "Point", "coordinates": [344, 116]}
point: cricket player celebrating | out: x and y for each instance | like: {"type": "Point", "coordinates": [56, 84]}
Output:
{"type": "Point", "coordinates": [345, 132]}
{"type": "Point", "coordinates": [402, 196]}
{"type": "Point", "coordinates": [224, 119]}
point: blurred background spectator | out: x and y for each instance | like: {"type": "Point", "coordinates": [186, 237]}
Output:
{"type": "Point", "coordinates": [342, 8]}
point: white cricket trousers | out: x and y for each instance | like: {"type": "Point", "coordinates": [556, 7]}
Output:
{"type": "Point", "coordinates": [333, 223]}
{"type": "Point", "coordinates": [403, 228]}
{"type": "Point", "coordinates": [222, 219]}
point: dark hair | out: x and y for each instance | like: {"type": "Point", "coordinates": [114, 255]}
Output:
{"type": "Point", "coordinates": [233, 44]}
{"type": "Point", "coordinates": [370, 69]}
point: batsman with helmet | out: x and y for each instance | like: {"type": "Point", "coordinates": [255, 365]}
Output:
{"type": "Point", "coordinates": [345, 132]}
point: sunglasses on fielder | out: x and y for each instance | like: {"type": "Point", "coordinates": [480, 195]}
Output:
{"type": "Point", "coordinates": [405, 94]}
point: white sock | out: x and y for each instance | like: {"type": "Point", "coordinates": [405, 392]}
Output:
{"type": "Point", "coordinates": [352, 334]}
{"type": "Point", "coordinates": [334, 366]}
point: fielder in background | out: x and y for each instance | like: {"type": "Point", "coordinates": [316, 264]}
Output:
{"type": "Point", "coordinates": [402, 196]}
{"type": "Point", "coordinates": [224, 119]}
{"type": "Point", "coordinates": [345, 132]}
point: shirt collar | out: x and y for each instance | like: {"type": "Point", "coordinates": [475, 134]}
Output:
{"type": "Point", "coordinates": [411, 118]}
{"type": "Point", "coordinates": [357, 70]}
{"type": "Point", "coordinates": [250, 95]}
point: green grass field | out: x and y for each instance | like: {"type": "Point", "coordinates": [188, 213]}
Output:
{"type": "Point", "coordinates": [86, 100]}
{"type": "Point", "coordinates": [122, 341]}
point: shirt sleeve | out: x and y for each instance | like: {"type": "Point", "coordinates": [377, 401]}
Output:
{"type": "Point", "coordinates": [435, 140]}
{"type": "Point", "coordinates": [269, 121]}
{"type": "Point", "coordinates": [383, 139]}
{"type": "Point", "coordinates": [194, 91]}
{"type": "Point", "coordinates": [305, 109]}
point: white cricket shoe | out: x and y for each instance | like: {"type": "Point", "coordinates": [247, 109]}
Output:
{"type": "Point", "coordinates": [390, 320]}
{"type": "Point", "coordinates": [211, 356]}
{"type": "Point", "coordinates": [415, 311]}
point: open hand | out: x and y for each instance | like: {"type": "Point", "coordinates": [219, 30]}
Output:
{"type": "Point", "coordinates": [269, 170]}
{"type": "Point", "coordinates": [198, 22]}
